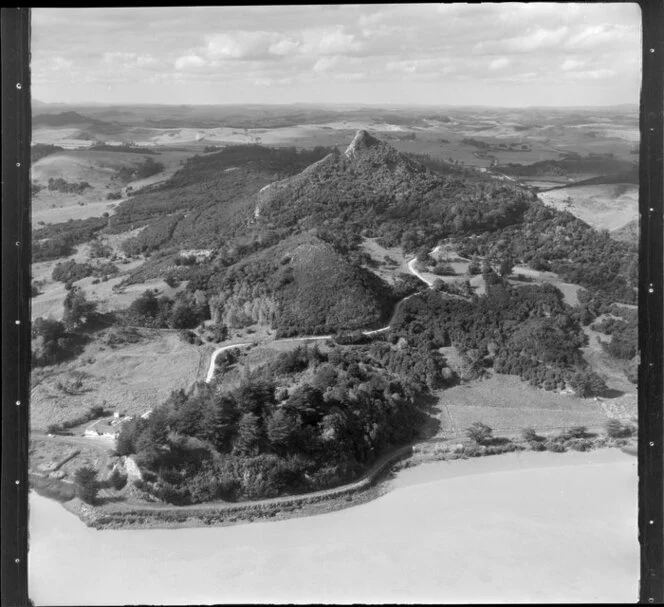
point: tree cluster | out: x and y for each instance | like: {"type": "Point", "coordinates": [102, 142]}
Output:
{"type": "Point", "coordinates": [258, 440]}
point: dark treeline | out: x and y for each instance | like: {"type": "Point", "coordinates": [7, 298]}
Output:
{"type": "Point", "coordinates": [71, 271]}
{"type": "Point", "coordinates": [572, 163]}
{"type": "Point", "coordinates": [41, 150]}
{"type": "Point", "coordinates": [147, 168]}
{"type": "Point", "coordinates": [185, 311]}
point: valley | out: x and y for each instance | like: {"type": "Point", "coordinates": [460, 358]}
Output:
{"type": "Point", "coordinates": [246, 303]}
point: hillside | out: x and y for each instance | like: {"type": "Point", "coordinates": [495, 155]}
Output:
{"type": "Point", "coordinates": [302, 285]}
{"type": "Point", "coordinates": [212, 193]}
{"type": "Point", "coordinates": [375, 190]}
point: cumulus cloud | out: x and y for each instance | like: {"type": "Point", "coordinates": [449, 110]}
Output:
{"type": "Point", "coordinates": [249, 45]}
{"type": "Point", "coordinates": [188, 61]}
{"type": "Point", "coordinates": [600, 35]}
{"type": "Point", "coordinates": [364, 45]}
{"type": "Point", "coordinates": [331, 41]}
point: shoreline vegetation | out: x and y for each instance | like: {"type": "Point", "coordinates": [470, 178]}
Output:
{"type": "Point", "coordinates": [371, 485]}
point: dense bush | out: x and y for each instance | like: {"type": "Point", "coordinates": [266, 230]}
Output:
{"type": "Point", "coordinates": [526, 331]}
{"type": "Point", "coordinates": [547, 239]}
{"type": "Point", "coordinates": [147, 168]}
{"type": "Point", "coordinates": [51, 342]}
{"type": "Point", "coordinates": [71, 271]}
{"type": "Point", "coordinates": [243, 443]}
{"type": "Point", "coordinates": [183, 312]}
{"type": "Point", "coordinates": [57, 240]}
{"type": "Point", "coordinates": [61, 185]}
{"type": "Point", "coordinates": [616, 429]}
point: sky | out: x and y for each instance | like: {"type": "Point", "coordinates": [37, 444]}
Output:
{"type": "Point", "coordinates": [511, 55]}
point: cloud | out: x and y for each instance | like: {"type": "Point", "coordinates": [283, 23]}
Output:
{"type": "Point", "coordinates": [59, 63]}
{"type": "Point", "coordinates": [326, 64]}
{"type": "Point", "coordinates": [499, 63]}
{"type": "Point", "coordinates": [249, 45]}
{"type": "Point", "coordinates": [188, 61]}
{"type": "Point", "coordinates": [331, 41]}
{"type": "Point", "coordinates": [313, 47]}
{"type": "Point", "coordinates": [601, 35]}
{"type": "Point", "coordinates": [540, 38]}
{"type": "Point", "coordinates": [572, 64]}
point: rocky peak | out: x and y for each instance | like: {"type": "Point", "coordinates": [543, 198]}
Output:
{"type": "Point", "coordinates": [362, 141]}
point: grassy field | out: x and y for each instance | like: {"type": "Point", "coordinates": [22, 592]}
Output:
{"type": "Point", "coordinates": [568, 289]}
{"type": "Point", "coordinates": [132, 378]}
{"type": "Point", "coordinates": [99, 169]}
{"type": "Point", "coordinates": [508, 404]}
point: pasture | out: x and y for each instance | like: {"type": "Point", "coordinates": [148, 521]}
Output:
{"type": "Point", "coordinates": [130, 378]}
{"type": "Point", "coordinates": [507, 404]}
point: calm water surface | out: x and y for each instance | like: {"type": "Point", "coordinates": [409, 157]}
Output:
{"type": "Point", "coordinates": [525, 527]}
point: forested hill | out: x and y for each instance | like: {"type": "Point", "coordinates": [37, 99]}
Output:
{"type": "Point", "coordinates": [301, 285]}
{"type": "Point", "coordinates": [376, 190]}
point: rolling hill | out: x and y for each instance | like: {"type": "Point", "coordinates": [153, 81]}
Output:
{"type": "Point", "coordinates": [301, 285]}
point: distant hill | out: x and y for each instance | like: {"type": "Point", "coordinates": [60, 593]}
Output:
{"type": "Point", "coordinates": [62, 119]}
{"type": "Point", "coordinates": [606, 167]}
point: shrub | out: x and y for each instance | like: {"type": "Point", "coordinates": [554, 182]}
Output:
{"type": "Point", "coordinates": [616, 429]}
{"type": "Point", "coordinates": [529, 435]}
{"type": "Point", "coordinates": [87, 485]}
{"type": "Point", "coordinates": [580, 444]}
{"type": "Point", "coordinates": [480, 433]}
{"type": "Point", "coordinates": [117, 480]}
{"type": "Point", "coordinates": [575, 432]}
{"type": "Point", "coordinates": [443, 269]}
{"type": "Point", "coordinates": [554, 446]}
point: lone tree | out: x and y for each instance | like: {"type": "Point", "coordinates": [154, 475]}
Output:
{"type": "Point", "coordinates": [87, 485]}
{"type": "Point", "coordinates": [77, 309]}
{"type": "Point", "coordinates": [587, 383]}
{"type": "Point", "coordinates": [480, 433]}
{"type": "Point", "coordinates": [506, 266]}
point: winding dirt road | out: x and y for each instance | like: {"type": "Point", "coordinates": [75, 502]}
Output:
{"type": "Point", "coordinates": [215, 354]}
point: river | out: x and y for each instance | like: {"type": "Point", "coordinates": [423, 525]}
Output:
{"type": "Point", "coordinates": [521, 527]}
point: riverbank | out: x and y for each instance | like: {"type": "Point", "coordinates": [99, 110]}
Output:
{"type": "Point", "coordinates": [373, 484]}
{"type": "Point", "coordinates": [520, 527]}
